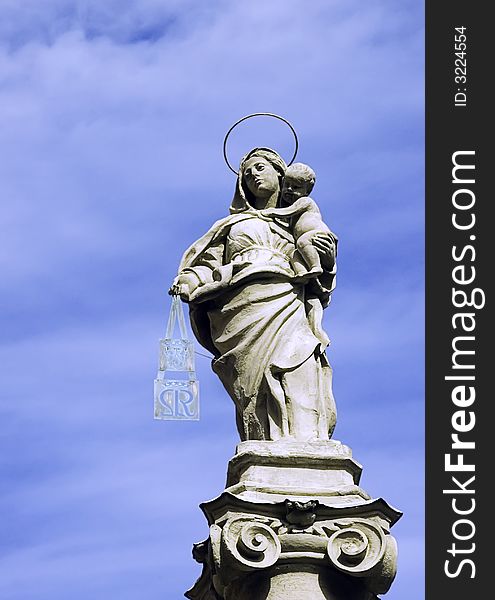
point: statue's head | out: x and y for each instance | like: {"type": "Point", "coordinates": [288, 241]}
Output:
{"type": "Point", "coordinates": [298, 182]}
{"type": "Point", "coordinates": [260, 176]}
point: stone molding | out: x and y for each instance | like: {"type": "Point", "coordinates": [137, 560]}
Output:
{"type": "Point", "coordinates": [270, 471]}
{"type": "Point", "coordinates": [243, 542]}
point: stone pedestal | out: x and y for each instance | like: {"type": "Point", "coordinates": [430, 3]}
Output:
{"type": "Point", "coordinates": [293, 524]}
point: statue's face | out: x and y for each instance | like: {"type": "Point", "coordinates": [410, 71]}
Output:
{"type": "Point", "coordinates": [293, 188]}
{"type": "Point", "coordinates": [260, 177]}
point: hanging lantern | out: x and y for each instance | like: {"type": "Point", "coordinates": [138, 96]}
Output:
{"type": "Point", "coordinates": [176, 386]}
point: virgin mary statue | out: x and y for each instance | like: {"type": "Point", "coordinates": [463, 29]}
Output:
{"type": "Point", "coordinates": [259, 319]}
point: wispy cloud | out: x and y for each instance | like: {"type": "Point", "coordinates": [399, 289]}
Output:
{"type": "Point", "coordinates": [112, 116]}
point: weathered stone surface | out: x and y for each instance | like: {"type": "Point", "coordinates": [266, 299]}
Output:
{"type": "Point", "coordinates": [268, 471]}
{"type": "Point", "coordinates": [302, 547]}
{"type": "Point", "coordinates": [292, 523]}
{"type": "Point", "coordinates": [257, 283]}
{"type": "Point", "coordinates": [305, 582]}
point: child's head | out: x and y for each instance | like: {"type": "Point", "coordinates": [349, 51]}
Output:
{"type": "Point", "coordinates": [298, 182]}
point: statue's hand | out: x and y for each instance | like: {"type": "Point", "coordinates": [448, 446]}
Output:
{"type": "Point", "coordinates": [177, 289]}
{"type": "Point", "coordinates": [325, 247]}
{"type": "Point", "coordinates": [183, 286]}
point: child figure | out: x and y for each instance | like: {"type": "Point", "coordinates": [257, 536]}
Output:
{"type": "Point", "coordinates": [298, 183]}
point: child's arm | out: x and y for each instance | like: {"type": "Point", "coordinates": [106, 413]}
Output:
{"type": "Point", "coordinates": [300, 206]}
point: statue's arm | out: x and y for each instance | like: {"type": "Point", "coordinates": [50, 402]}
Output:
{"type": "Point", "coordinates": [187, 281]}
{"type": "Point", "coordinates": [301, 205]}
{"type": "Point", "coordinates": [326, 246]}
{"type": "Point", "coordinates": [199, 273]}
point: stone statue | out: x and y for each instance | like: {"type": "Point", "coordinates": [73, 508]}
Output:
{"type": "Point", "coordinates": [298, 183]}
{"type": "Point", "coordinates": [257, 283]}
{"type": "Point", "coordinates": [293, 522]}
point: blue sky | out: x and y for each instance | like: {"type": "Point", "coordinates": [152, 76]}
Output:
{"type": "Point", "coordinates": [112, 116]}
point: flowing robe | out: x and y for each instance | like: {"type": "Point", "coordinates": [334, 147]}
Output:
{"type": "Point", "coordinates": [263, 326]}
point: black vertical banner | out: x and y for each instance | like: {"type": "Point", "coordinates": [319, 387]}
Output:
{"type": "Point", "coordinates": [459, 269]}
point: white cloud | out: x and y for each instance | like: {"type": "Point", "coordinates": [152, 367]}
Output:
{"type": "Point", "coordinates": [112, 116]}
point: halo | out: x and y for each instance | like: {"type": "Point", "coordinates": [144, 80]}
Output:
{"type": "Point", "coordinates": [259, 115]}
